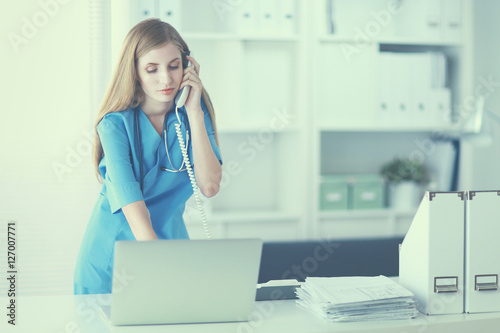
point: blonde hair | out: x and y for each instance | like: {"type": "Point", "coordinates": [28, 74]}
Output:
{"type": "Point", "coordinates": [124, 90]}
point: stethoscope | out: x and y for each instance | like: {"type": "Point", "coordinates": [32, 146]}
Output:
{"type": "Point", "coordinates": [138, 142]}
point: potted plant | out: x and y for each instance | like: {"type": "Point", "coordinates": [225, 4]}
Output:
{"type": "Point", "coordinates": [404, 177]}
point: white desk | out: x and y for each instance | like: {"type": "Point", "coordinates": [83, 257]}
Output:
{"type": "Point", "coordinates": [72, 314]}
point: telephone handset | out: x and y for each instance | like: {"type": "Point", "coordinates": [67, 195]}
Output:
{"type": "Point", "coordinates": [182, 94]}
{"type": "Point", "coordinates": [179, 101]}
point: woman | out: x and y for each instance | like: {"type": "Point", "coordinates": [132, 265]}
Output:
{"type": "Point", "coordinates": [137, 153]}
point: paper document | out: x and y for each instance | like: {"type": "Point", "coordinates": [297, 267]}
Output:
{"type": "Point", "coordinates": [356, 298]}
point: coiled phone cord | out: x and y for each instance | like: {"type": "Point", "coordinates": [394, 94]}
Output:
{"type": "Point", "coordinates": [196, 190]}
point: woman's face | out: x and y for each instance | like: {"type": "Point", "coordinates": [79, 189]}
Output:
{"type": "Point", "coordinates": [160, 73]}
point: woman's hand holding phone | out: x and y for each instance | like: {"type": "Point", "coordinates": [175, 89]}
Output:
{"type": "Point", "coordinates": [192, 79]}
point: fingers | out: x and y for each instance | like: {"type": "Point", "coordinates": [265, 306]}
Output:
{"type": "Point", "coordinates": [189, 71]}
{"type": "Point", "coordinates": [191, 78]}
{"type": "Point", "coordinates": [195, 63]}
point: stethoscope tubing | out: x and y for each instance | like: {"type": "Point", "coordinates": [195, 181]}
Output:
{"type": "Point", "coordinates": [138, 145]}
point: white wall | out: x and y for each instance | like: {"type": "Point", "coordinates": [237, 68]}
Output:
{"type": "Point", "coordinates": [485, 156]}
{"type": "Point", "coordinates": [45, 124]}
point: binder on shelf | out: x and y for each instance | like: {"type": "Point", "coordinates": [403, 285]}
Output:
{"type": "Point", "coordinates": [421, 79]}
{"type": "Point", "coordinates": [440, 106]}
{"type": "Point", "coordinates": [438, 70]}
{"type": "Point", "coordinates": [267, 16]}
{"type": "Point", "coordinates": [247, 17]}
{"type": "Point", "coordinates": [433, 25]}
{"type": "Point", "coordinates": [144, 9]}
{"type": "Point", "coordinates": [419, 19]}
{"type": "Point", "coordinates": [482, 252]}
{"type": "Point", "coordinates": [401, 72]}
{"type": "Point", "coordinates": [430, 19]}
{"type": "Point", "coordinates": [412, 89]}
{"type": "Point", "coordinates": [452, 20]}
{"type": "Point", "coordinates": [431, 262]}
{"type": "Point", "coordinates": [286, 19]}
{"type": "Point", "coordinates": [386, 101]}
{"type": "Point", "coordinates": [170, 12]}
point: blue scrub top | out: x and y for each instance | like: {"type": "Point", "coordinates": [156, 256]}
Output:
{"type": "Point", "coordinates": [165, 193]}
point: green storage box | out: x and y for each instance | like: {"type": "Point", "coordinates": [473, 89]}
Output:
{"type": "Point", "coordinates": [334, 192]}
{"type": "Point", "coordinates": [368, 192]}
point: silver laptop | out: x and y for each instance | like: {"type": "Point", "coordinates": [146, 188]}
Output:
{"type": "Point", "coordinates": [184, 281]}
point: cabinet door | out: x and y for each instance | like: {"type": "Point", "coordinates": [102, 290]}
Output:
{"type": "Point", "coordinates": [346, 87]}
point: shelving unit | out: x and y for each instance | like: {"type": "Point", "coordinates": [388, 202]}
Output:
{"type": "Point", "coordinates": [291, 107]}
{"type": "Point", "coordinates": [348, 135]}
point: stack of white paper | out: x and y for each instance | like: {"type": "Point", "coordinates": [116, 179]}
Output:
{"type": "Point", "coordinates": [341, 299]}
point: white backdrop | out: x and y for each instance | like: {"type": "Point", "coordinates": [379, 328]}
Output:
{"type": "Point", "coordinates": [485, 156]}
{"type": "Point", "coordinates": [47, 183]}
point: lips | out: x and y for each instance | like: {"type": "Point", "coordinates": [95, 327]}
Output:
{"type": "Point", "coordinates": [166, 91]}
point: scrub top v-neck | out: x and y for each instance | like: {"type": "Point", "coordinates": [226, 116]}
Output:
{"type": "Point", "coordinates": [165, 193]}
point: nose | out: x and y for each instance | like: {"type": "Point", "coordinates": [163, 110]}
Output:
{"type": "Point", "coordinates": [164, 77]}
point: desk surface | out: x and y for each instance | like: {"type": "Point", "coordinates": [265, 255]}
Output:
{"type": "Point", "coordinates": [58, 314]}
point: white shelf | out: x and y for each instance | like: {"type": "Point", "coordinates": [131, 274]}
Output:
{"type": "Point", "coordinates": [270, 38]}
{"type": "Point", "coordinates": [388, 41]}
{"type": "Point", "coordinates": [209, 36]}
{"type": "Point", "coordinates": [358, 224]}
{"type": "Point", "coordinates": [325, 127]}
{"type": "Point", "coordinates": [242, 216]}
{"type": "Point", "coordinates": [366, 214]}
{"type": "Point", "coordinates": [253, 216]}
{"type": "Point", "coordinates": [416, 41]}
{"type": "Point", "coordinates": [238, 37]}
{"type": "Point", "coordinates": [238, 129]}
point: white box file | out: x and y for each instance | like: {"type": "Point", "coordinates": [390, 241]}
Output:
{"type": "Point", "coordinates": [452, 20]}
{"type": "Point", "coordinates": [171, 12]}
{"type": "Point", "coordinates": [286, 20]}
{"type": "Point", "coordinates": [431, 261]}
{"type": "Point", "coordinates": [482, 251]}
{"type": "Point", "coordinates": [144, 9]}
{"type": "Point", "coordinates": [267, 16]}
{"type": "Point", "coordinates": [440, 105]}
{"type": "Point", "coordinates": [246, 14]}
